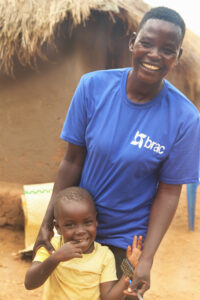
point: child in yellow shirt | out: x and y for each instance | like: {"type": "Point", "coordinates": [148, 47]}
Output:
{"type": "Point", "coordinates": [80, 268]}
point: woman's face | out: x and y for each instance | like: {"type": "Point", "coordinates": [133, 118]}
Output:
{"type": "Point", "coordinates": [155, 50]}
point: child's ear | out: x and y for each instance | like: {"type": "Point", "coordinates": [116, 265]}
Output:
{"type": "Point", "coordinates": [96, 220]}
{"type": "Point", "coordinates": [132, 41]}
{"type": "Point", "coordinates": [57, 226]}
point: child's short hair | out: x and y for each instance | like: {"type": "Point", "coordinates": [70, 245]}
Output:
{"type": "Point", "coordinates": [165, 14]}
{"type": "Point", "coordinates": [73, 193]}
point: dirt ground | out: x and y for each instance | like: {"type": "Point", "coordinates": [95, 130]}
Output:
{"type": "Point", "coordinates": [175, 274]}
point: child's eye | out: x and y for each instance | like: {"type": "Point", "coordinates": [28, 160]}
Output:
{"type": "Point", "coordinates": [145, 44]}
{"type": "Point", "coordinates": [88, 222]}
{"type": "Point", "coordinates": [69, 225]}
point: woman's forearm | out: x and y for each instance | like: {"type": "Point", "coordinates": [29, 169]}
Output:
{"type": "Point", "coordinates": [162, 212]}
{"type": "Point", "coordinates": [69, 174]}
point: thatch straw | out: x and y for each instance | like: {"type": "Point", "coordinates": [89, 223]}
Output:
{"type": "Point", "coordinates": [27, 25]}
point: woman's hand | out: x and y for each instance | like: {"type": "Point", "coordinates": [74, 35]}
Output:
{"type": "Point", "coordinates": [133, 294]}
{"type": "Point", "coordinates": [141, 278]}
{"type": "Point", "coordinates": [165, 202]}
{"type": "Point", "coordinates": [43, 240]}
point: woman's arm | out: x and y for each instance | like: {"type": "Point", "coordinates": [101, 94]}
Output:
{"type": "Point", "coordinates": [162, 212]}
{"type": "Point", "coordinates": [69, 174]}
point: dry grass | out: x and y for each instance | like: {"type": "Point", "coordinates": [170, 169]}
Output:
{"type": "Point", "coordinates": [26, 25]}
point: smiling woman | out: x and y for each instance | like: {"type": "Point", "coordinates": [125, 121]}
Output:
{"type": "Point", "coordinates": [156, 49]}
{"type": "Point", "coordinates": [132, 141]}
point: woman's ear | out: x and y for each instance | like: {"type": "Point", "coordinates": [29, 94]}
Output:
{"type": "Point", "coordinates": [179, 56]}
{"type": "Point", "coordinates": [132, 41]}
{"type": "Point", "coordinates": [57, 227]}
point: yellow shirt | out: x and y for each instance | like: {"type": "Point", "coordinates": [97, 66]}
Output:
{"type": "Point", "coordinates": [78, 278]}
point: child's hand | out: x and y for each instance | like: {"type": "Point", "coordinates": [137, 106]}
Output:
{"type": "Point", "coordinates": [133, 294]}
{"type": "Point", "coordinates": [134, 253]}
{"type": "Point", "coordinates": [68, 251]}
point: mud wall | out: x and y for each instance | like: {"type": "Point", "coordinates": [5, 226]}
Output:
{"type": "Point", "coordinates": [33, 105]}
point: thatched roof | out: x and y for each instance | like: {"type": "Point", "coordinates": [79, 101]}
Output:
{"type": "Point", "coordinates": [26, 25]}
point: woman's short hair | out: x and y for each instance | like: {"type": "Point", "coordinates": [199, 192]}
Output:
{"type": "Point", "coordinates": [165, 14]}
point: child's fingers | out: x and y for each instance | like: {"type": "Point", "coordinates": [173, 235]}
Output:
{"type": "Point", "coordinates": [127, 279]}
{"type": "Point", "coordinates": [132, 294]}
{"type": "Point", "coordinates": [128, 251]}
{"type": "Point", "coordinates": [78, 255]}
{"type": "Point", "coordinates": [134, 245]}
{"type": "Point", "coordinates": [72, 242]}
{"type": "Point", "coordinates": [139, 245]}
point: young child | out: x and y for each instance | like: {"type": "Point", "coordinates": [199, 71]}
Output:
{"type": "Point", "coordinates": [79, 268]}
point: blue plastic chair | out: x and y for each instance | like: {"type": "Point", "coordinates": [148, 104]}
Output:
{"type": "Point", "coordinates": [191, 202]}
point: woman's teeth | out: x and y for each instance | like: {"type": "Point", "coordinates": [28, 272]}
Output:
{"type": "Point", "coordinates": [151, 67]}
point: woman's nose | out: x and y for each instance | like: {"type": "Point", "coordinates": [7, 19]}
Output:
{"type": "Point", "coordinates": [154, 53]}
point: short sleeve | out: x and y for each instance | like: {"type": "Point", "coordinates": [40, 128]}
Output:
{"type": "Point", "coordinates": [183, 162]}
{"type": "Point", "coordinates": [109, 268]}
{"type": "Point", "coordinates": [41, 254]}
{"type": "Point", "coordinates": [75, 123]}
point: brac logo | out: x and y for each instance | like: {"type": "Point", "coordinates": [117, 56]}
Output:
{"type": "Point", "coordinates": [141, 139]}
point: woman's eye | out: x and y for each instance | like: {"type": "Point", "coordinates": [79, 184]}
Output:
{"type": "Point", "coordinates": [168, 51]}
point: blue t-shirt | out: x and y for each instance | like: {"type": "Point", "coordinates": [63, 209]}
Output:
{"type": "Point", "coordinates": [130, 148]}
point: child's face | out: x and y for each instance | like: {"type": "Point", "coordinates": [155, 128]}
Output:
{"type": "Point", "coordinates": [155, 50]}
{"type": "Point", "coordinates": [77, 222]}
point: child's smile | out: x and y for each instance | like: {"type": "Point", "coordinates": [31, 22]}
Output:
{"type": "Point", "coordinates": [77, 223]}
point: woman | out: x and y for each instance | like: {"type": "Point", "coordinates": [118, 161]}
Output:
{"type": "Point", "coordinates": [132, 141]}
